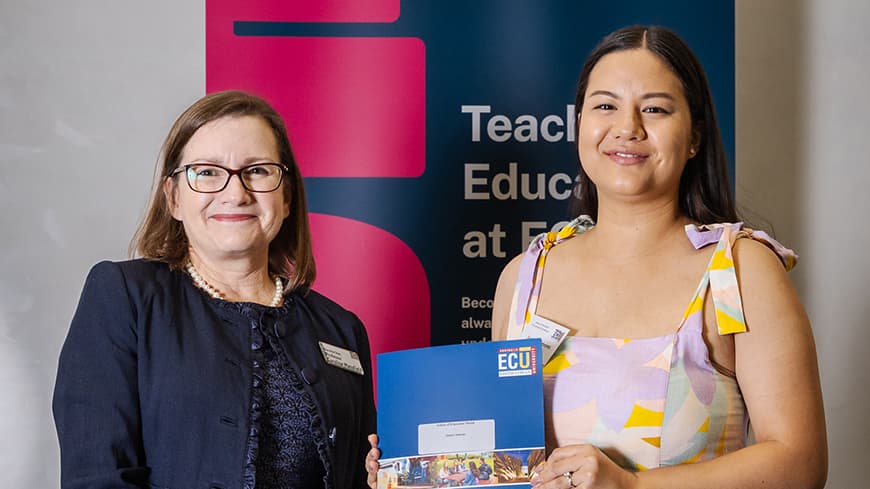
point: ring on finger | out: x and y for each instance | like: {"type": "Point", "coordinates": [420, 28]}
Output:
{"type": "Point", "coordinates": [569, 476]}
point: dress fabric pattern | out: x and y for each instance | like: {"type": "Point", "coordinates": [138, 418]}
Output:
{"type": "Point", "coordinates": [282, 450]}
{"type": "Point", "coordinates": [646, 402]}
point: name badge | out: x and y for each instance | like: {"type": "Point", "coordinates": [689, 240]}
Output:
{"type": "Point", "coordinates": [551, 333]}
{"type": "Point", "coordinates": [341, 358]}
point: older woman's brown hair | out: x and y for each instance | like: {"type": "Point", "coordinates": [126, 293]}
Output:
{"type": "Point", "coordinates": [161, 238]}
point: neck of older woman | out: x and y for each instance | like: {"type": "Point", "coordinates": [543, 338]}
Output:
{"type": "Point", "coordinates": [236, 280]}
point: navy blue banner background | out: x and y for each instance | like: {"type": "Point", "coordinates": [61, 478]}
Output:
{"type": "Point", "coordinates": [519, 58]}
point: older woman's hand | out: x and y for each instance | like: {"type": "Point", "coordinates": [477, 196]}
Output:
{"type": "Point", "coordinates": [582, 466]}
{"type": "Point", "coordinates": [372, 464]}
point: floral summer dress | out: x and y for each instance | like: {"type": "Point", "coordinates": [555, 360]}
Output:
{"type": "Point", "coordinates": [646, 402]}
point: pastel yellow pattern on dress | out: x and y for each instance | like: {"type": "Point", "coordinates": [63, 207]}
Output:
{"type": "Point", "coordinates": [654, 441]}
{"type": "Point", "coordinates": [556, 364]}
{"type": "Point", "coordinates": [641, 416]}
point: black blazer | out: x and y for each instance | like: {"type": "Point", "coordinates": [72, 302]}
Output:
{"type": "Point", "coordinates": [154, 382]}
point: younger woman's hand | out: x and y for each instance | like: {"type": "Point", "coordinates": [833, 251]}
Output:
{"type": "Point", "coordinates": [372, 464]}
{"type": "Point", "coordinates": [582, 466]}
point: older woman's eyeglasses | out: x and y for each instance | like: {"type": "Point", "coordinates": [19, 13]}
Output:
{"type": "Point", "coordinates": [209, 178]}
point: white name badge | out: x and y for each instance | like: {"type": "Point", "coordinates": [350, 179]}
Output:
{"type": "Point", "coordinates": [551, 333]}
{"type": "Point", "coordinates": [341, 358]}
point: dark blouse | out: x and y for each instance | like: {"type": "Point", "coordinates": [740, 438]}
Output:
{"type": "Point", "coordinates": [282, 445]}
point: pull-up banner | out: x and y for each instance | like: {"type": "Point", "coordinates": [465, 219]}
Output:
{"type": "Point", "coordinates": [436, 137]}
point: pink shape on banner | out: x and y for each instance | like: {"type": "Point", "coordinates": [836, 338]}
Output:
{"type": "Point", "coordinates": [377, 276]}
{"type": "Point", "coordinates": [310, 10]}
{"type": "Point", "coordinates": [354, 107]}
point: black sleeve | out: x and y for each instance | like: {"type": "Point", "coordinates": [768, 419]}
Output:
{"type": "Point", "coordinates": [368, 420]}
{"type": "Point", "coordinates": [96, 396]}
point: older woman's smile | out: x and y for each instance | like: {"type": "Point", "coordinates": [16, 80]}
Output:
{"type": "Point", "coordinates": [233, 217]}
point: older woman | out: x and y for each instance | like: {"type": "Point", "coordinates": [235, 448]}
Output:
{"type": "Point", "coordinates": [684, 324]}
{"type": "Point", "coordinates": [209, 362]}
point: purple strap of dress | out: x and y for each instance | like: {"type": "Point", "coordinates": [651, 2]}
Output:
{"type": "Point", "coordinates": [524, 287]}
{"type": "Point", "coordinates": [706, 234]}
{"type": "Point", "coordinates": [528, 282]}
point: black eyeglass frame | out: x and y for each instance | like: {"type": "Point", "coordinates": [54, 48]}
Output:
{"type": "Point", "coordinates": [230, 172]}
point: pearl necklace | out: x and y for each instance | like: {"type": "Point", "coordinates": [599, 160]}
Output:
{"type": "Point", "coordinates": [202, 284]}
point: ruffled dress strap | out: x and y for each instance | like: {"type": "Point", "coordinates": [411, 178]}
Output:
{"type": "Point", "coordinates": [722, 272]}
{"type": "Point", "coordinates": [528, 286]}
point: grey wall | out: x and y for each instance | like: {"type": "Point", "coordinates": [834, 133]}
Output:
{"type": "Point", "coordinates": [88, 90]}
{"type": "Point", "coordinates": [803, 121]}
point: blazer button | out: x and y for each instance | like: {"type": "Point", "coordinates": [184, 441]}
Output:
{"type": "Point", "coordinates": [309, 375]}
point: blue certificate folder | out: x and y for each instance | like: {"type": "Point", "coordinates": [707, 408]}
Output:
{"type": "Point", "coordinates": [461, 415]}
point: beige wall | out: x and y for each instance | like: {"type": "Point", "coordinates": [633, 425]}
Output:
{"type": "Point", "coordinates": [803, 126]}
